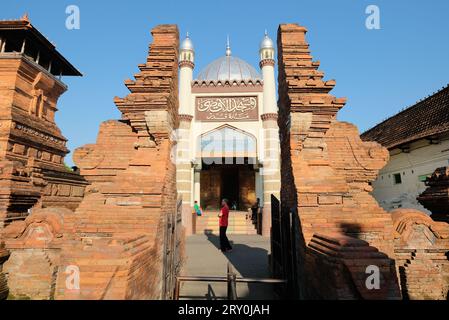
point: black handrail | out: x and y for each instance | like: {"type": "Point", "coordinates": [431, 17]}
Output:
{"type": "Point", "coordinates": [231, 279]}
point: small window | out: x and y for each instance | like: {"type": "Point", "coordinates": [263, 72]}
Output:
{"type": "Point", "coordinates": [397, 178]}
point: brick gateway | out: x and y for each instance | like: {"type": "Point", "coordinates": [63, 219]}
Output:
{"type": "Point", "coordinates": [117, 220]}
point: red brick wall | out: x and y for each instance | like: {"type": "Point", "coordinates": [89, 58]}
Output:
{"type": "Point", "coordinates": [116, 237]}
{"type": "Point", "coordinates": [326, 168]}
{"type": "Point", "coordinates": [32, 147]}
{"type": "Point", "coordinates": [422, 249]}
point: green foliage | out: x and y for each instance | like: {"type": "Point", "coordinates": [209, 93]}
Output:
{"type": "Point", "coordinates": [68, 168]}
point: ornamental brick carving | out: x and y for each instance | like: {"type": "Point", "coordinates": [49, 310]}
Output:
{"type": "Point", "coordinates": [326, 171]}
{"type": "Point", "coordinates": [269, 116]}
{"type": "Point", "coordinates": [436, 197]}
{"type": "Point", "coordinates": [112, 231]}
{"type": "Point", "coordinates": [187, 63]}
{"type": "Point", "coordinates": [421, 248]}
{"type": "Point", "coordinates": [185, 117]}
{"type": "Point", "coordinates": [325, 174]}
{"type": "Point", "coordinates": [32, 148]}
{"type": "Point", "coordinates": [116, 235]}
{"type": "Point", "coordinates": [266, 62]}
{"type": "Point", "coordinates": [35, 250]}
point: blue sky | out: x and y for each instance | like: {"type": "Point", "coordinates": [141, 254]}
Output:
{"type": "Point", "coordinates": [379, 71]}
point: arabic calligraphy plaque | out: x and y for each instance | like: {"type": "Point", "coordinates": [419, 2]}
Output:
{"type": "Point", "coordinates": [239, 108]}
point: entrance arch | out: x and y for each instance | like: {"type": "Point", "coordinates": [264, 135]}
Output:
{"type": "Point", "coordinates": [227, 142]}
{"type": "Point", "coordinates": [228, 158]}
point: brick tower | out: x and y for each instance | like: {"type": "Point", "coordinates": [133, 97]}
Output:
{"type": "Point", "coordinates": [32, 148]}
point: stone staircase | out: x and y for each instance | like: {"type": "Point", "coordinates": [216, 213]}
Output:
{"type": "Point", "coordinates": [238, 223]}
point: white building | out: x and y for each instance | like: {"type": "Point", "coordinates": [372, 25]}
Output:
{"type": "Point", "coordinates": [228, 140]}
{"type": "Point", "coordinates": [418, 141]}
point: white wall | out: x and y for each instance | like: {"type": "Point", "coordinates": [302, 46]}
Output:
{"type": "Point", "coordinates": [422, 159]}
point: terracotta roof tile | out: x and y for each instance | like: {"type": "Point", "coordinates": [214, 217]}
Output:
{"type": "Point", "coordinates": [424, 119]}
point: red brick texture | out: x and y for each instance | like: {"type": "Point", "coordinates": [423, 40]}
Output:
{"type": "Point", "coordinates": [4, 255]}
{"type": "Point", "coordinates": [436, 197]}
{"type": "Point", "coordinates": [33, 176]}
{"type": "Point", "coordinates": [116, 235]}
{"type": "Point", "coordinates": [421, 248]}
{"type": "Point", "coordinates": [340, 268]}
{"type": "Point", "coordinates": [32, 148]}
{"type": "Point", "coordinates": [325, 174]}
{"type": "Point", "coordinates": [35, 249]}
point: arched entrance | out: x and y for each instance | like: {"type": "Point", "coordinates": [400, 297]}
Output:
{"type": "Point", "coordinates": [228, 168]}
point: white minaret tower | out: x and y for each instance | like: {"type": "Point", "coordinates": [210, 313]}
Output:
{"type": "Point", "coordinates": [186, 65]}
{"type": "Point", "coordinates": [184, 170]}
{"type": "Point", "coordinates": [266, 52]}
{"type": "Point", "coordinates": [270, 170]}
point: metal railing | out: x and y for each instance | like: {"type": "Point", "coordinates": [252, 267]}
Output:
{"type": "Point", "coordinates": [231, 280]}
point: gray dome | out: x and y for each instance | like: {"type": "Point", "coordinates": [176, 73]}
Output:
{"type": "Point", "coordinates": [186, 44]}
{"type": "Point", "coordinates": [228, 68]}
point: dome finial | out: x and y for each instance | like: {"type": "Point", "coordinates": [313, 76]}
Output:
{"type": "Point", "coordinates": [187, 44]}
{"type": "Point", "coordinates": [266, 43]}
{"type": "Point", "coordinates": [228, 47]}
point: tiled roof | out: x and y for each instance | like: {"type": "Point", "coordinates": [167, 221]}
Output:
{"type": "Point", "coordinates": [17, 30]}
{"type": "Point", "coordinates": [425, 119]}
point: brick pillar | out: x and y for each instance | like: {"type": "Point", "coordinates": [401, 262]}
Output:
{"type": "Point", "coordinates": [184, 171]}
{"type": "Point", "coordinates": [271, 168]}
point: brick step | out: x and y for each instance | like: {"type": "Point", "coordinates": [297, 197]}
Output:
{"type": "Point", "coordinates": [249, 230]}
{"type": "Point", "coordinates": [237, 223]}
{"type": "Point", "coordinates": [216, 232]}
{"type": "Point", "coordinates": [216, 219]}
{"type": "Point", "coordinates": [229, 225]}
{"type": "Point", "coordinates": [229, 228]}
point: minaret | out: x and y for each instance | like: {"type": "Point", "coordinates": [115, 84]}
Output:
{"type": "Point", "coordinates": [270, 170]}
{"type": "Point", "coordinates": [186, 65]}
{"type": "Point", "coordinates": [266, 52]}
{"type": "Point", "coordinates": [184, 170]}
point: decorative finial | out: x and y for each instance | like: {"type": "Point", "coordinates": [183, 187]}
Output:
{"type": "Point", "coordinates": [187, 34]}
{"type": "Point", "coordinates": [25, 17]}
{"type": "Point", "coordinates": [228, 47]}
{"type": "Point", "coordinates": [266, 33]}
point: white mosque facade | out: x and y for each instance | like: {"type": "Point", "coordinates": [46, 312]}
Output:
{"type": "Point", "coordinates": [228, 138]}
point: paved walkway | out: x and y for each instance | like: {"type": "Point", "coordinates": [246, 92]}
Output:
{"type": "Point", "coordinates": [249, 259]}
